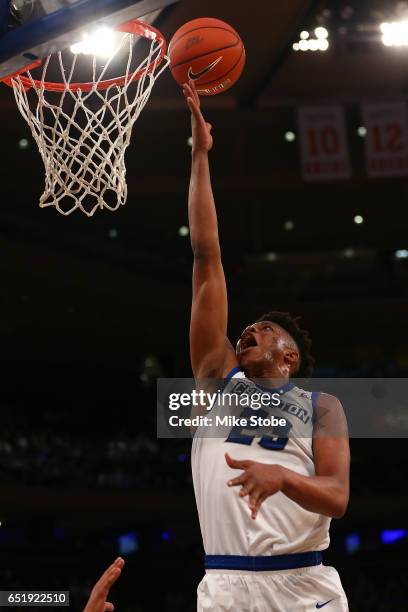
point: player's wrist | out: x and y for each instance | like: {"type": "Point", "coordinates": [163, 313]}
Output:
{"type": "Point", "coordinates": [198, 152]}
{"type": "Point", "coordinates": [285, 476]}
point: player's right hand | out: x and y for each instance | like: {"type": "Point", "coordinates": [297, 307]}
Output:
{"type": "Point", "coordinates": [99, 594]}
{"type": "Point", "coordinates": [201, 130]}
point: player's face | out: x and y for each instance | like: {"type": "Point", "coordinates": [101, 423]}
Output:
{"type": "Point", "coordinates": [261, 345]}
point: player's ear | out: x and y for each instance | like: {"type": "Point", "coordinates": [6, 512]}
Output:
{"type": "Point", "coordinates": [291, 358]}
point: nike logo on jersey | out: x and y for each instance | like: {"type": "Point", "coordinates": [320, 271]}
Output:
{"type": "Point", "coordinates": [321, 605]}
{"type": "Point", "coordinates": [196, 75]}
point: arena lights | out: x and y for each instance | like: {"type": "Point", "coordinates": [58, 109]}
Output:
{"type": "Point", "coordinates": [352, 542]}
{"type": "Point", "coordinates": [390, 536]}
{"type": "Point", "coordinates": [395, 34]}
{"type": "Point", "coordinates": [101, 42]}
{"type": "Point", "coordinates": [401, 254]}
{"type": "Point", "coordinates": [290, 136]}
{"type": "Point", "coordinates": [271, 257]}
{"type": "Point", "coordinates": [289, 226]}
{"type": "Point", "coordinates": [190, 141]}
{"type": "Point", "coordinates": [362, 131]}
{"type": "Point", "coordinates": [113, 233]}
{"type": "Point", "coordinates": [319, 43]}
{"type": "Point", "coordinates": [23, 143]}
{"type": "Point", "coordinates": [349, 253]}
{"type": "Point", "coordinates": [358, 219]}
{"type": "Point", "coordinates": [183, 231]}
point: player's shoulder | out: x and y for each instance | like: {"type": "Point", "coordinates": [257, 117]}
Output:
{"type": "Point", "coordinates": [325, 402]}
{"type": "Point", "coordinates": [330, 418]}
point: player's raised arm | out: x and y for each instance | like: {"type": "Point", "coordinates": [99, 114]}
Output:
{"type": "Point", "coordinates": [211, 353]}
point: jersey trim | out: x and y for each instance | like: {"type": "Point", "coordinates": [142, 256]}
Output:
{"type": "Point", "coordinates": [264, 563]}
{"type": "Point", "coordinates": [281, 390]}
{"type": "Point", "coordinates": [232, 373]}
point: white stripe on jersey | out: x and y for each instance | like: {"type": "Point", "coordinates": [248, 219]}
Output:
{"type": "Point", "coordinates": [282, 526]}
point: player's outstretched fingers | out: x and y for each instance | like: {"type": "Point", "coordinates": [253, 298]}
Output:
{"type": "Point", "coordinates": [195, 110]}
{"type": "Point", "coordinates": [246, 489]}
{"type": "Point", "coordinates": [237, 465]}
{"type": "Point", "coordinates": [97, 599]}
{"type": "Point", "coordinates": [189, 93]}
{"type": "Point", "coordinates": [254, 507]}
{"type": "Point", "coordinates": [194, 90]}
{"type": "Point", "coordinates": [239, 480]}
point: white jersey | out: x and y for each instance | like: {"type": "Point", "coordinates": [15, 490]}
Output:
{"type": "Point", "coordinates": [282, 526]}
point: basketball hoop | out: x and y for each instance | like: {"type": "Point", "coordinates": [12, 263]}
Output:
{"type": "Point", "coordinates": [83, 129]}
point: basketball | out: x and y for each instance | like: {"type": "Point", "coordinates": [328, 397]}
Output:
{"type": "Point", "coordinates": [208, 51]}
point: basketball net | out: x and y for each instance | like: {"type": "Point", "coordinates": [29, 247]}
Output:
{"type": "Point", "coordinates": [83, 129]}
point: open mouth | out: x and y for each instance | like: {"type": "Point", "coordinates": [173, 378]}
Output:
{"type": "Point", "coordinates": [247, 342]}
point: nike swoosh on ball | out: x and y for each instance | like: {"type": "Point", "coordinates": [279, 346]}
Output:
{"type": "Point", "coordinates": [196, 75]}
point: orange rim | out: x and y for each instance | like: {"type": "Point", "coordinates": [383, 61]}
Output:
{"type": "Point", "coordinates": [131, 27]}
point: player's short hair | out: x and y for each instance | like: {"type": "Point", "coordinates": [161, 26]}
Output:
{"type": "Point", "coordinates": [299, 335]}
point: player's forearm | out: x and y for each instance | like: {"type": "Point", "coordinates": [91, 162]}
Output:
{"type": "Point", "coordinates": [201, 209]}
{"type": "Point", "coordinates": [321, 494]}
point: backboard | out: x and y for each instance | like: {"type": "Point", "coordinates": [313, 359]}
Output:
{"type": "Point", "coordinates": [32, 29]}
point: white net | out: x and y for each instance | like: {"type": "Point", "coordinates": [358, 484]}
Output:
{"type": "Point", "coordinates": [83, 135]}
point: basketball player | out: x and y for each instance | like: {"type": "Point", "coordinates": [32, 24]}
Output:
{"type": "Point", "coordinates": [264, 504]}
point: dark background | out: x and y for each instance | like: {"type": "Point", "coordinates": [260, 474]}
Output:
{"type": "Point", "coordinates": [92, 311]}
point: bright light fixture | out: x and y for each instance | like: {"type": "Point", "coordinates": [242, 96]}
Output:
{"type": "Point", "coordinates": [290, 136]}
{"type": "Point", "coordinates": [362, 131]}
{"type": "Point", "coordinates": [401, 254]}
{"type": "Point", "coordinates": [306, 43]}
{"type": "Point", "coordinates": [323, 44]}
{"type": "Point", "coordinates": [358, 219]}
{"type": "Point", "coordinates": [23, 143]}
{"type": "Point", "coordinates": [321, 33]}
{"type": "Point", "coordinates": [101, 42]}
{"type": "Point", "coordinates": [183, 231]}
{"type": "Point", "coordinates": [395, 34]}
{"type": "Point", "coordinates": [289, 226]}
{"type": "Point", "coordinates": [313, 44]}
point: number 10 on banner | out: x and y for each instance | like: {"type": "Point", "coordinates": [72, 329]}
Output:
{"type": "Point", "coordinates": [387, 139]}
{"type": "Point", "coordinates": [323, 143]}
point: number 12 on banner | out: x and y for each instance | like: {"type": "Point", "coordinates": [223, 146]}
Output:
{"type": "Point", "coordinates": [323, 142]}
{"type": "Point", "coordinates": [387, 139]}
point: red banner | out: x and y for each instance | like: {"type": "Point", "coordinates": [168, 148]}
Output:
{"type": "Point", "coordinates": [387, 139]}
{"type": "Point", "coordinates": [323, 143]}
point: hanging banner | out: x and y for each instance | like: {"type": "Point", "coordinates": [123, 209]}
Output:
{"type": "Point", "coordinates": [323, 143]}
{"type": "Point", "coordinates": [387, 139]}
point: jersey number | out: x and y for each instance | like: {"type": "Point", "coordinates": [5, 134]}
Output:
{"type": "Point", "coordinates": [272, 442]}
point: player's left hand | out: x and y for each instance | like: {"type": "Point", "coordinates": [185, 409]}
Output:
{"type": "Point", "coordinates": [258, 480]}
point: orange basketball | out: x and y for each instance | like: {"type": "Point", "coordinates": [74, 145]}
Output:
{"type": "Point", "coordinates": [210, 52]}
